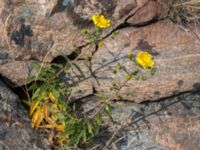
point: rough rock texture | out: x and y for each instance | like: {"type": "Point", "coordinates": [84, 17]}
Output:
{"type": "Point", "coordinates": [177, 55]}
{"type": "Point", "coordinates": [170, 124]}
{"type": "Point", "coordinates": [15, 133]}
{"type": "Point", "coordinates": [44, 29]}
{"type": "Point", "coordinates": [149, 11]}
{"type": "Point", "coordinates": [36, 27]}
{"type": "Point", "coordinates": [32, 30]}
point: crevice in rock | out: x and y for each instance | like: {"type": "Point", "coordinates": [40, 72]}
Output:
{"type": "Point", "coordinates": [20, 91]}
{"type": "Point", "coordinates": [169, 97]}
{"type": "Point", "coordinates": [74, 55]}
{"type": "Point", "coordinates": [7, 82]}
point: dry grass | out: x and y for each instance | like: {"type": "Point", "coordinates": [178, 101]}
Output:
{"type": "Point", "coordinates": [182, 11]}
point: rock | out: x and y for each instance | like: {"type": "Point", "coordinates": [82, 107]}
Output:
{"type": "Point", "coordinates": [3, 55]}
{"type": "Point", "coordinates": [176, 55]}
{"type": "Point", "coordinates": [149, 12]}
{"type": "Point", "coordinates": [8, 100]}
{"type": "Point", "coordinates": [168, 124]}
{"type": "Point", "coordinates": [49, 27]}
{"type": "Point", "coordinates": [15, 133]}
{"type": "Point", "coordinates": [81, 86]}
{"type": "Point", "coordinates": [14, 72]}
{"type": "Point", "coordinates": [35, 28]}
{"type": "Point", "coordinates": [42, 30]}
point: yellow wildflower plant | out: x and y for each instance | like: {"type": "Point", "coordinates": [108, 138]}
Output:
{"type": "Point", "coordinates": [100, 21]}
{"type": "Point", "coordinates": [144, 59]}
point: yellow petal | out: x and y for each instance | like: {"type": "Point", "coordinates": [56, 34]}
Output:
{"type": "Point", "coordinates": [144, 59]}
{"type": "Point", "coordinates": [100, 21]}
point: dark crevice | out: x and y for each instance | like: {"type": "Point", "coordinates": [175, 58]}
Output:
{"type": "Point", "coordinates": [169, 97]}
{"type": "Point", "coordinates": [19, 90]}
{"type": "Point", "coordinates": [10, 84]}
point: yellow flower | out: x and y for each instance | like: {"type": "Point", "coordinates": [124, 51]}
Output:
{"type": "Point", "coordinates": [144, 59]}
{"type": "Point", "coordinates": [100, 21]}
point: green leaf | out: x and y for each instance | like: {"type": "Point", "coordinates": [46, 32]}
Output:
{"type": "Point", "coordinates": [36, 94]}
{"type": "Point", "coordinates": [69, 131]}
{"type": "Point", "coordinates": [137, 77]}
{"type": "Point", "coordinates": [115, 85]}
{"type": "Point", "coordinates": [108, 110]}
{"type": "Point", "coordinates": [98, 119]}
{"type": "Point", "coordinates": [119, 97]}
{"type": "Point", "coordinates": [84, 134]}
{"type": "Point", "coordinates": [61, 117]}
{"type": "Point", "coordinates": [36, 67]}
{"type": "Point", "coordinates": [152, 71]}
{"type": "Point", "coordinates": [33, 86]}
{"type": "Point", "coordinates": [58, 66]}
{"type": "Point", "coordinates": [27, 102]}
{"type": "Point", "coordinates": [90, 127]}
{"type": "Point", "coordinates": [119, 66]}
{"type": "Point", "coordinates": [130, 55]}
{"type": "Point", "coordinates": [144, 78]}
{"type": "Point", "coordinates": [128, 76]}
{"type": "Point", "coordinates": [135, 71]}
{"type": "Point", "coordinates": [56, 94]}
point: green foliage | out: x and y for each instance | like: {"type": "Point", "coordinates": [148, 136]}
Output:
{"type": "Point", "coordinates": [50, 108]}
{"type": "Point", "coordinates": [50, 102]}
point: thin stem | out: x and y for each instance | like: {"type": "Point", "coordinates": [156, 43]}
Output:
{"type": "Point", "coordinates": [102, 104]}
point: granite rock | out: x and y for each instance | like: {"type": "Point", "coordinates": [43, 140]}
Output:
{"type": "Point", "coordinates": [176, 55]}
{"type": "Point", "coordinates": [15, 132]}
